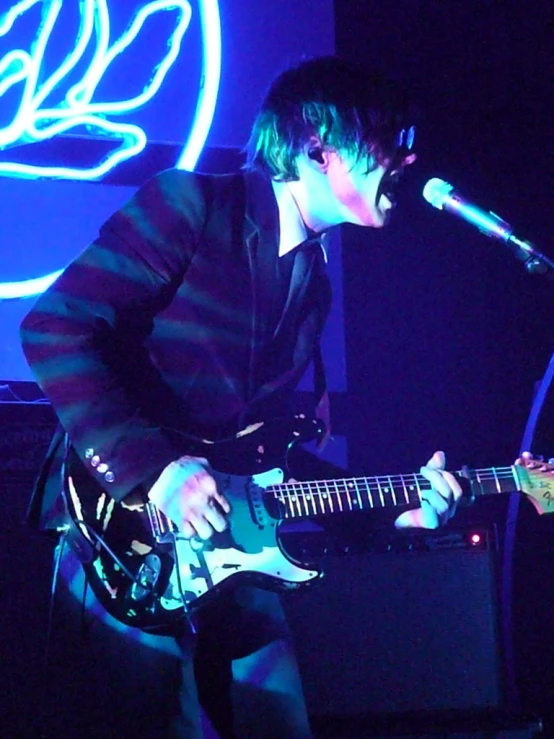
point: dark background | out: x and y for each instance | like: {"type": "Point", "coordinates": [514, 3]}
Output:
{"type": "Point", "coordinates": [446, 334]}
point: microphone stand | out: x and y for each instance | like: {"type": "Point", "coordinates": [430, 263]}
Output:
{"type": "Point", "coordinates": [533, 260]}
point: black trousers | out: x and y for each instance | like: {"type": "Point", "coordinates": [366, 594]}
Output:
{"type": "Point", "coordinates": [236, 678]}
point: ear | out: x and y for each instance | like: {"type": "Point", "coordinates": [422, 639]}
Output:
{"type": "Point", "coordinates": [318, 154]}
{"type": "Point", "coordinates": [409, 159]}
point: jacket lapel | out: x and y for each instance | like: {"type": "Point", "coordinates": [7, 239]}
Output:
{"type": "Point", "coordinates": [261, 237]}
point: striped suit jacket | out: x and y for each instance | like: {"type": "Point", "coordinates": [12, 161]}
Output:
{"type": "Point", "coordinates": [167, 321]}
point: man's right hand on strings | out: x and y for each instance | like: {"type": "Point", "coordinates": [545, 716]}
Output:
{"type": "Point", "coordinates": [187, 494]}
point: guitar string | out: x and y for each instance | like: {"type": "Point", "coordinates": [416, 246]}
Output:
{"type": "Point", "coordinates": [310, 492]}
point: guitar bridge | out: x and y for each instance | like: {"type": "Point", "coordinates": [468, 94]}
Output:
{"type": "Point", "coordinates": [162, 528]}
{"type": "Point", "coordinates": [146, 578]}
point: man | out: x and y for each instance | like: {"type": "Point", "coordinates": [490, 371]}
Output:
{"type": "Point", "coordinates": [197, 310]}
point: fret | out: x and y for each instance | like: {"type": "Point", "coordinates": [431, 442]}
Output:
{"type": "Point", "coordinates": [393, 491]}
{"type": "Point", "coordinates": [314, 497]}
{"type": "Point", "coordinates": [354, 496]}
{"type": "Point", "coordinates": [294, 499]}
{"type": "Point", "coordinates": [296, 511]}
{"type": "Point", "coordinates": [508, 478]}
{"type": "Point", "coordinates": [320, 493]}
{"type": "Point", "coordinates": [346, 495]}
{"type": "Point", "coordinates": [380, 492]}
{"type": "Point", "coordinates": [387, 494]}
{"type": "Point", "coordinates": [305, 495]}
{"type": "Point", "coordinates": [358, 496]}
{"type": "Point", "coordinates": [320, 496]}
{"type": "Point", "coordinates": [369, 495]}
{"type": "Point", "coordinates": [338, 498]}
{"type": "Point", "coordinates": [329, 495]}
{"type": "Point", "coordinates": [305, 499]}
{"type": "Point", "coordinates": [287, 500]}
{"type": "Point", "coordinates": [291, 500]}
{"type": "Point", "coordinates": [329, 499]}
{"type": "Point", "coordinates": [297, 500]}
{"type": "Point", "coordinates": [406, 490]}
{"type": "Point", "coordinates": [348, 498]}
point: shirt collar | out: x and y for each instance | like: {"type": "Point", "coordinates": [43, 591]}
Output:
{"type": "Point", "coordinates": [292, 230]}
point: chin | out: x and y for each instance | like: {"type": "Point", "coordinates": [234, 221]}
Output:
{"type": "Point", "coordinates": [376, 221]}
{"type": "Point", "coordinates": [370, 218]}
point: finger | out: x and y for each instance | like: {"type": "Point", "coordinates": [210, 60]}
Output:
{"type": "Point", "coordinates": [444, 493]}
{"type": "Point", "coordinates": [437, 461]}
{"type": "Point", "coordinates": [438, 481]}
{"type": "Point", "coordinates": [454, 484]}
{"type": "Point", "coordinates": [201, 487]}
{"type": "Point", "coordinates": [425, 517]}
{"type": "Point", "coordinates": [222, 501]}
{"type": "Point", "coordinates": [215, 519]}
{"type": "Point", "coordinates": [524, 459]}
{"type": "Point", "coordinates": [440, 504]}
{"type": "Point", "coordinates": [207, 486]}
{"type": "Point", "coordinates": [188, 530]}
{"type": "Point", "coordinates": [201, 526]}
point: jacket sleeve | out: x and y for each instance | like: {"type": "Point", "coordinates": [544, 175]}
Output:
{"type": "Point", "coordinates": [119, 281]}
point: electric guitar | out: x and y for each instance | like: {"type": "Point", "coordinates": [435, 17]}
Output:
{"type": "Point", "coordinates": [149, 576]}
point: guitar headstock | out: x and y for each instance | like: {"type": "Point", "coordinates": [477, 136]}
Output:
{"type": "Point", "coordinates": [536, 479]}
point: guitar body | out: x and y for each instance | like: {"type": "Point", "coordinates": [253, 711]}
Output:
{"type": "Point", "coordinates": [148, 576]}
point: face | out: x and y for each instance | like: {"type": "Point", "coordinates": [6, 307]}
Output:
{"type": "Point", "coordinates": [364, 198]}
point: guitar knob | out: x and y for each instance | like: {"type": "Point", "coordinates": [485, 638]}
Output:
{"type": "Point", "coordinates": [196, 544]}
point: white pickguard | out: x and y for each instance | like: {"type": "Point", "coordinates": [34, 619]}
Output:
{"type": "Point", "coordinates": [202, 567]}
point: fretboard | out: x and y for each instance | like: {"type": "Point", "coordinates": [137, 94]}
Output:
{"type": "Point", "coordinates": [322, 497]}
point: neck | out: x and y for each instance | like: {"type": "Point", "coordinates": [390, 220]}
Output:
{"type": "Point", "coordinates": [316, 210]}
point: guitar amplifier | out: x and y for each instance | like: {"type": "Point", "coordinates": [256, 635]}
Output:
{"type": "Point", "coordinates": [391, 633]}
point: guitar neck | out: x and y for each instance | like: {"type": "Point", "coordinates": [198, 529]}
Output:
{"type": "Point", "coordinates": [322, 497]}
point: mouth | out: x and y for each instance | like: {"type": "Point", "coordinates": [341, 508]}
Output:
{"type": "Point", "coordinates": [389, 188]}
{"type": "Point", "coordinates": [387, 201]}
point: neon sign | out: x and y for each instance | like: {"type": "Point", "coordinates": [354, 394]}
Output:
{"type": "Point", "coordinates": [35, 121]}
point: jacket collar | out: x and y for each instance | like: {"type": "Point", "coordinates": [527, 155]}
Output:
{"type": "Point", "coordinates": [262, 212]}
{"type": "Point", "coordinates": [272, 212]}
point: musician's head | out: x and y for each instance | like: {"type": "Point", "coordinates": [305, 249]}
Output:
{"type": "Point", "coordinates": [342, 129]}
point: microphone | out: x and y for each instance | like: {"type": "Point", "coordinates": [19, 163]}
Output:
{"type": "Point", "coordinates": [441, 195]}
